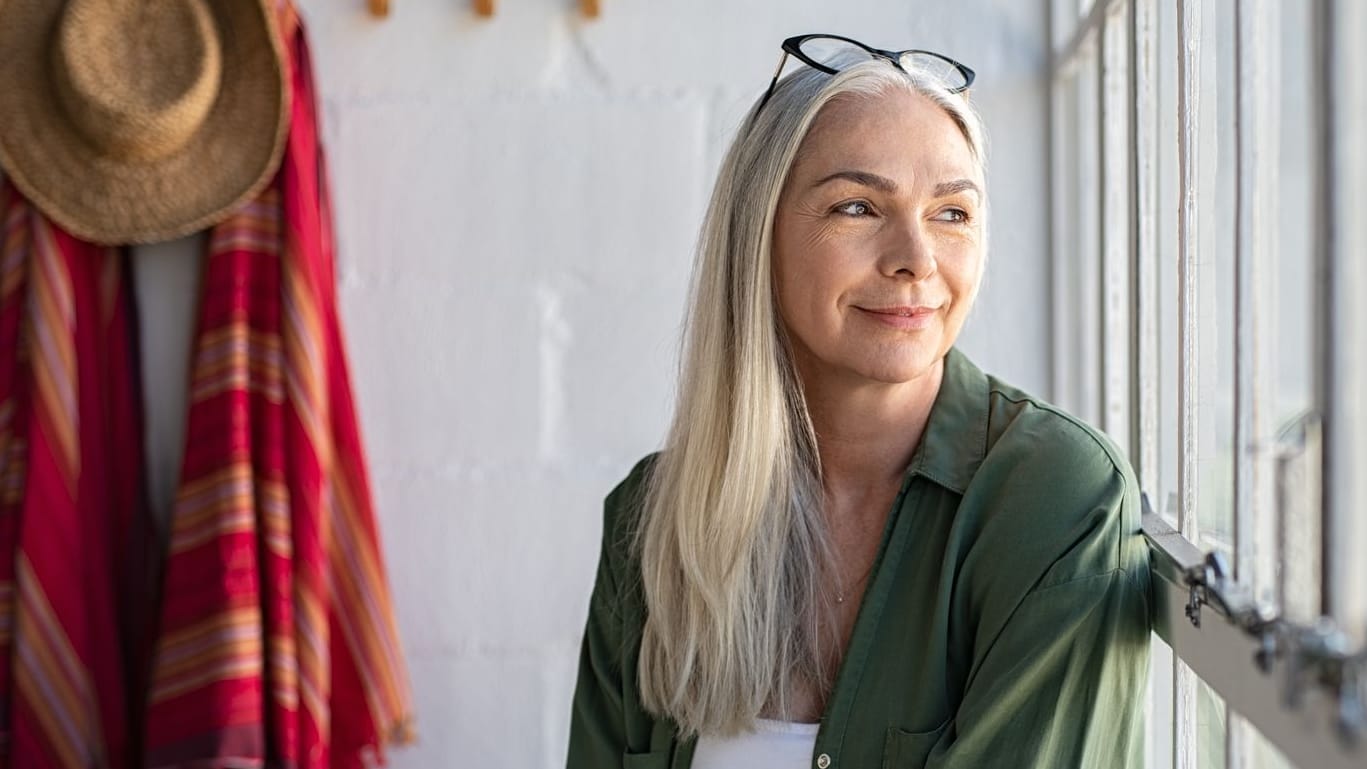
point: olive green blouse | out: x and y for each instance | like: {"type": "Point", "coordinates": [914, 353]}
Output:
{"type": "Point", "coordinates": [1006, 623]}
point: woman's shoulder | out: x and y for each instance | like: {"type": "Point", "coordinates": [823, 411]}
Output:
{"type": "Point", "coordinates": [1049, 438]}
{"type": "Point", "coordinates": [1053, 491]}
{"type": "Point", "coordinates": [623, 505]}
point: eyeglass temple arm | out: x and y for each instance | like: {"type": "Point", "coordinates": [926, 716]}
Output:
{"type": "Point", "coordinates": [773, 83]}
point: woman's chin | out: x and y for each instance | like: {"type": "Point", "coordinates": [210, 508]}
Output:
{"type": "Point", "coordinates": [897, 372]}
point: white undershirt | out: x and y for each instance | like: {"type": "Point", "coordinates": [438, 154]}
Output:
{"type": "Point", "coordinates": [772, 745]}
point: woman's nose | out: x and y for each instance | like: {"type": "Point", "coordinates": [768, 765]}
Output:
{"type": "Point", "coordinates": [910, 253]}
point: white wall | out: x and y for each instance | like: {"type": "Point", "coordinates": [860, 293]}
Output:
{"type": "Point", "coordinates": [517, 200]}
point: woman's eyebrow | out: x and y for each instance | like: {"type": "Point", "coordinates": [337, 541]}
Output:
{"type": "Point", "coordinates": [866, 178]}
{"type": "Point", "coordinates": [945, 189]}
{"type": "Point", "coordinates": [884, 184]}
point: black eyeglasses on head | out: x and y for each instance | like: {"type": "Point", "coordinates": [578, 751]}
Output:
{"type": "Point", "coordinates": [831, 53]}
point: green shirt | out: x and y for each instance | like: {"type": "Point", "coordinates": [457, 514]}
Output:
{"type": "Point", "coordinates": [1006, 622]}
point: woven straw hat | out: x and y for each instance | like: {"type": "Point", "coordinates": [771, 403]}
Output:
{"type": "Point", "coordinates": [135, 121]}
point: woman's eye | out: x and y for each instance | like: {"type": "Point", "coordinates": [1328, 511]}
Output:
{"type": "Point", "coordinates": [952, 215]}
{"type": "Point", "coordinates": [854, 208]}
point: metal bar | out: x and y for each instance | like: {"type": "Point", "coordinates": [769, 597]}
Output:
{"type": "Point", "coordinates": [1298, 449]}
{"type": "Point", "coordinates": [1158, 706]}
{"type": "Point", "coordinates": [1284, 681]}
{"type": "Point", "coordinates": [1088, 267]}
{"type": "Point", "coordinates": [1185, 744]}
{"type": "Point", "coordinates": [1325, 363]}
{"type": "Point", "coordinates": [1117, 236]}
{"type": "Point", "coordinates": [1063, 236]}
{"type": "Point", "coordinates": [1055, 154]}
{"type": "Point", "coordinates": [1188, 80]}
{"type": "Point", "coordinates": [1340, 337]}
{"type": "Point", "coordinates": [1144, 155]}
{"type": "Point", "coordinates": [1247, 392]}
{"type": "Point", "coordinates": [1350, 351]}
{"type": "Point", "coordinates": [1252, 175]}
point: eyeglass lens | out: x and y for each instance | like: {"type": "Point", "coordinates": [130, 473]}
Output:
{"type": "Point", "coordinates": [833, 53]}
{"type": "Point", "coordinates": [934, 66]}
{"type": "Point", "coordinates": [838, 54]}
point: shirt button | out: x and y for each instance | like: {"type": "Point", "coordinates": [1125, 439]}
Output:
{"type": "Point", "coordinates": [823, 761]}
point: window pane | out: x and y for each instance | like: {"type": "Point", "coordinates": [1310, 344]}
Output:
{"type": "Point", "coordinates": [1063, 20]}
{"type": "Point", "coordinates": [1077, 228]}
{"type": "Point", "coordinates": [1210, 728]}
{"type": "Point", "coordinates": [1293, 264]}
{"type": "Point", "coordinates": [1264, 755]}
{"type": "Point", "coordinates": [1217, 154]}
{"type": "Point", "coordinates": [1117, 232]}
{"type": "Point", "coordinates": [1293, 256]}
{"type": "Point", "coordinates": [1158, 708]}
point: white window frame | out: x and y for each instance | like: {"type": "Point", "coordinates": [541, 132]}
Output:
{"type": "Point", "coordinates": [1106, 356]}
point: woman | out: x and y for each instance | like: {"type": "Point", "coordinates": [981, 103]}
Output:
{"type": "Point", "coordinates": [858, 550]}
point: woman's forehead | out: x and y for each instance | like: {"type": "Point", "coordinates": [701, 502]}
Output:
{"type": "Point", "coordinates": [901, 133]}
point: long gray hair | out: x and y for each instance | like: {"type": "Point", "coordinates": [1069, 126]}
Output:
{"type": "Point", "coordinates": [733, 543]}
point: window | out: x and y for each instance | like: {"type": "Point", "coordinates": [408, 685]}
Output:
{"type": "Point", "coordinates": [1209, 225]}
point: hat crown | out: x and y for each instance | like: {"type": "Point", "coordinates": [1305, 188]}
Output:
{"type": "Point", "coordinates": [137, 78]}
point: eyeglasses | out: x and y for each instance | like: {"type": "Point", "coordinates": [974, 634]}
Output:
{"type": "Point", "coordinates": [829, 53]}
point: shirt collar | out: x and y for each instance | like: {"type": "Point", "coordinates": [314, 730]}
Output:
{"type": "Point", "coordinates": [955, 439]}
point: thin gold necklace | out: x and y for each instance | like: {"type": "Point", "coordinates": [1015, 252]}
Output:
{"type": "Point", "coordinates": [840, 592]}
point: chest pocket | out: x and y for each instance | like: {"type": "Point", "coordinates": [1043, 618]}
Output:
{"type": "Point", "coordinates": [908, 750]}
{"type": "Point", "coordinates": [657, 760]}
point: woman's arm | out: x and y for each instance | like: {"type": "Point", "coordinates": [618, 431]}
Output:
{"type": "Point", "coordinates": [597, 723]}
{"type": "Point", "coordinates": [1062, 686]}
{"type": "Point", "coordinates": [1060, 680]}
{"type": "Point", "coordinates": [599, 732]}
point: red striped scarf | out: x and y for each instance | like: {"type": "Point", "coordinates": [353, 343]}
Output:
{"type": "Point", "coordinates": [70, 482]}
{"type": "Point", "coordinates": [277, 642]}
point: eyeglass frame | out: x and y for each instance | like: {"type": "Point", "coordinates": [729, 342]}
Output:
{"type": "Point", "coordinates": [793, 47]}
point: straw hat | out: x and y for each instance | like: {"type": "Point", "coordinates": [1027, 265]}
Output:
{"type": "Point", "coordinates": [134, 121]}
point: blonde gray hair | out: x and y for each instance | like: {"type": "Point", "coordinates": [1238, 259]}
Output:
{"type": "Point", "coordinates": [732, 540]}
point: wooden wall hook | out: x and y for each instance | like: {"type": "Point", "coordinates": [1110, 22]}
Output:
{"type": "Point", "coordinates": [590, 8]}
{"type": "Point", "coordinates": [484, 8]}
{"type": "Point", "coordinates": [379, 8]}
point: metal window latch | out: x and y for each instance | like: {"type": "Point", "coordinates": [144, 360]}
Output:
{"type": "Point", "coordinates": [1194, 602]}
{"type": "Point", "coordinates": [1266, 627]}
{"type": "Point", "coordinates": [1206, 581]}
{"type": "Point", "coordinates": [1321, 655]}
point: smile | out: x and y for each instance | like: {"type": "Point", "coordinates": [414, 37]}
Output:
{"type": "Point", "coordinates": [909, 318]}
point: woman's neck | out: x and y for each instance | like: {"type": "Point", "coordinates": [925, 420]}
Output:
{"type": "Point", "coordinates": [866, 432]}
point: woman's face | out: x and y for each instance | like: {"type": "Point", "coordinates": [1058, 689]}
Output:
{"type": "Point", "coordinates": [878, 240]}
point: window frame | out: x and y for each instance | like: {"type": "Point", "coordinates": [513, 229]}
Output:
{"type": "Point", "coordinates": [1112, 335]}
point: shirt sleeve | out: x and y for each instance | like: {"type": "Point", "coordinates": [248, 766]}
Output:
{"type": "Point", "coordinates": [597, 722]}
{"type": "Point", "coordinates": [1062, 686]}
{"type": "Point", "coordinates": [1060, 680]}
{"type": "Point", "coordinates": [604, 724]}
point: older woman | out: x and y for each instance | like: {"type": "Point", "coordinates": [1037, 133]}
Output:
{"type": "Point", "coordinates": [856, 549]}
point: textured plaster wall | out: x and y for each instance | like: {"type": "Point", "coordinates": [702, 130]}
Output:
{"type": "Point", "coordinates": [517, 201]}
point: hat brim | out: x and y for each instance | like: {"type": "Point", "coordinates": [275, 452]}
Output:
{"type": "Point", "coordinates": [226, 162]}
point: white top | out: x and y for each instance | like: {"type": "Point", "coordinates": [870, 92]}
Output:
{"type": "Point", "coordinates": [772, 745]}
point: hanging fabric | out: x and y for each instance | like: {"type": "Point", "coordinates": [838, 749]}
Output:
{"type": "Point", "coordinates": [274, 642]}
{"type": "Point", "coordinates": [277, 643]}
{"type": "Point", "coordinates": [73, 547]}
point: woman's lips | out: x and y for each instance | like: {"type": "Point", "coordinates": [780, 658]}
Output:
{"type": "Point", "coordinates": [910, 318]}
